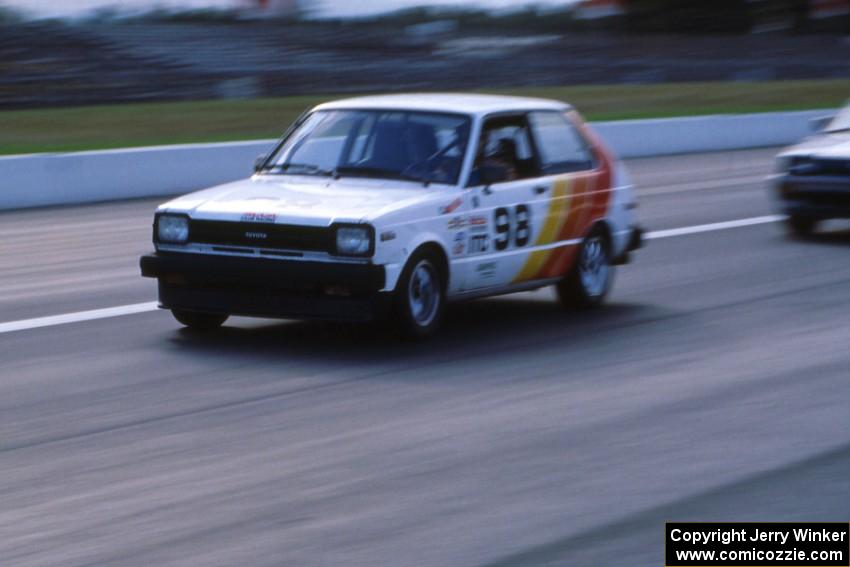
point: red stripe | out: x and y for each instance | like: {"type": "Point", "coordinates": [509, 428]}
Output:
{"type": "Point", "coordinates": [595, 188]}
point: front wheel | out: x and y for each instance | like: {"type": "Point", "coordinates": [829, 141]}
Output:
{"type": "Point", "coordinates": [420, 297]}
{"type": "Point", "coordinates": [800, 226]}
{"type": "Point", "coordinates": [589, 282]}
{"type": "Point", "coordinates": [199, 321]}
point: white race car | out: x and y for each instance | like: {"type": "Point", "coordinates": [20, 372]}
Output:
{"type": "Point", "coordinates": [394, 206]}
{"type": "Point", "coordinates": [812, 180]}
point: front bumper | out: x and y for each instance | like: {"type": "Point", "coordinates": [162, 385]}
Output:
{"type": "Point", "coordinates": [636, 240]}
{"type": "Point", "coordinates": [262, 287]}
{"type": "Point", "coordinates": [818, 197]}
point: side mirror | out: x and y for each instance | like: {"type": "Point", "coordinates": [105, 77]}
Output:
{"type": "Point", "coordinates": [820, 123]}
{"type": "Point", "coordinates": [488, 175]}
{"type": "Point", "coordinates": [259, 162]}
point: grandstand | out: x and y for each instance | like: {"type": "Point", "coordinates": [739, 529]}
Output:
{"type": "Point", "coordinates": [50, 63]}
{"type": "Point", "coordinates": [55, 63]}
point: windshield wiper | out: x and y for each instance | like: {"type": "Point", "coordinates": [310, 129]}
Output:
{"type": "Point", "coordinates": [379, 173]}
{"type": "Point", "coordinates": [300, 169]}
{"type": "Point", "coordinates": [838, 131]}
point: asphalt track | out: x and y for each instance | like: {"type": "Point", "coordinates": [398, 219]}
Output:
{"type": "Point", "coordinates": [713, 387]}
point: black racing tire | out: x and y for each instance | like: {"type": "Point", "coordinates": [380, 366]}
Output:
{"type": "Point", "coordinates": [420, 297]}
{"type": "Point", "coordinates": [592, 276]}
{"type": "Point", "coordinates": [198, 321]}
{"type": "Point", "coordinates": [800, 227]}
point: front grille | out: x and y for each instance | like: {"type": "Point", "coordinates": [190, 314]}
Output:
{"type": "Point", "coordinates": [826, 198]}
{"type": "Point", "coordinates": [261, 235]}
{"type": "Point", "coordinates": [824, 166]}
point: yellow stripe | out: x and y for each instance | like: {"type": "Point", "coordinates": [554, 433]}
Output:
{"type": "Point", "coordinates": [555, 219]}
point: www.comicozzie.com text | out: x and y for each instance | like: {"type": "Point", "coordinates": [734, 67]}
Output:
{"type": "Point", "coordinates": [727, 536]}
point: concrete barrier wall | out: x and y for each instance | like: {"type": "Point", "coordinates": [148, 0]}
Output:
{"type": "Point", "coordinates": [669, 136]}
{"type": "Point", "coordinates": [83, 177]}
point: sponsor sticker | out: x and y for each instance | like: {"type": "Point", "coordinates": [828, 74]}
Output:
{"type": "Point", "coordinates": [486, 270]}
{"type": "Point", "coordinates": [459, 243]}
{"type": "Point", "coordinates": [478, 243]}
{"type": "Point", "coordinates": [478, 223]}
{"type": "Point", "coordinates": [259, 217]}
{"type": "Point", "coordinates": [456, 223]}
{"type": "Point", "coordinates": [451, 207]}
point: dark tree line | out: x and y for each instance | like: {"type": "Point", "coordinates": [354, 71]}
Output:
{"type": "Point", "coordinates": [716, 16]}
{"type": "Point", "coordinates": [725, 16]}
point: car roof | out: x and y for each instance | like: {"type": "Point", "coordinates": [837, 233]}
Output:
{"type": "Point", "coordinates": [476, 104]}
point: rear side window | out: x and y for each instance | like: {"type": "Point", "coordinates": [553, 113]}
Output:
{"type": "Point", "coordinates": [560, 147]}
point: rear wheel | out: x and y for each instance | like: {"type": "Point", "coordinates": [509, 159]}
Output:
{"type": "Point", "coordinates": [420, 297]}
{"type": "Point", "coordinates": [199, 321]}
{"type": "Point", "coordinates": [800, 226]}
{"type": "Point", "coordinates": [589, 282]}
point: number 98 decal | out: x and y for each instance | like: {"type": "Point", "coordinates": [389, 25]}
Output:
{"type": "Point", "coordinates": [516, 227]}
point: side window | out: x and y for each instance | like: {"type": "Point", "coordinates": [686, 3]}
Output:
{"type": "Point", "coordinates": [561, 148]}
{"type": "Point", "coordinates": [505, 152]}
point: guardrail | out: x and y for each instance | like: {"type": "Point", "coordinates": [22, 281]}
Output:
{"type": "Point", "coordinates": [83, 177]}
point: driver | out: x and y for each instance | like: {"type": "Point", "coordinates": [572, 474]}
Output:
{"type": "Point", "coordinates": [503, 156]}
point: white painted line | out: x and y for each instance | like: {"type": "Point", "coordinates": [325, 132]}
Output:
{"type": "Point", "coordinates": [78, 317]}
{"type": "Point", "coordinates": [669, 233]}
{"type": "Point", "coordinates": [120, 311]}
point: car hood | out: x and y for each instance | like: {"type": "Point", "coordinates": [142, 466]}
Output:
{"type": "Point", "coordinates": [303, 200]}
{"type": "Point", "coordinates": [835, 146]}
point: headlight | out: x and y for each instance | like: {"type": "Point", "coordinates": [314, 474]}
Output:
{"type": "Point", "coordinates": [782, 164]}
{"type": "Point", "coordinates": [354, 240]}
{"type": "Point", "coordinates": [797, 165]}
{"type": "Point", "coordinates": [173, 229]}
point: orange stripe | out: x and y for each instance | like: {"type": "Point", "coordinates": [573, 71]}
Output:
{"type": "Point", "coordinates": [594, 203]}
{"type": "Point", "coordinates": [560, 256]}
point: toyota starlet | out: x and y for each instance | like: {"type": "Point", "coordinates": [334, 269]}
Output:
{"type": "Point", "coordinates": [393, 206]}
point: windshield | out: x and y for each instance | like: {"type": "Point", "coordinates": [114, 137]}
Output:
{"type": "Point", "coordinates": [415, 146]}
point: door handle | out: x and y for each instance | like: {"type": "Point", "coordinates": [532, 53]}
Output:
{"type": "Point", "coordinates": [540, 189]}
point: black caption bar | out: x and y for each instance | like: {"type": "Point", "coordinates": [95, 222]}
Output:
{"type": "Point", "coordinates": [751, 544]}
